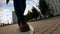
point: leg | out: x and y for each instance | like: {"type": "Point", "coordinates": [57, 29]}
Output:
{"type": "Point", "coordinates": [19, 10]}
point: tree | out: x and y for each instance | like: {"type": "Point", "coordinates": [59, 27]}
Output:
{"type": "Point", "coordinates": [35, 13]}
{"type": "Point", "coordinates": [29, 16]}
{"type": "Point", "coordinates": [44, 7]}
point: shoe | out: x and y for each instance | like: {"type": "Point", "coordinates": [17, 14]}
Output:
{"type": "Point", "coordinates": [24, 28]}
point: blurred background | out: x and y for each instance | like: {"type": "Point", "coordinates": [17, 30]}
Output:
{"type": "Point", "coordinates": [32, 11]}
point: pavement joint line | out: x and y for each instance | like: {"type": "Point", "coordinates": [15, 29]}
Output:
{"type": "Point", "coordinates": [51, 29]}
{"type": "Point", "coordinates": [43, 28]}
{"type": "Point", "coordinates": [47, 29]}
{"type": "Point", "coordinates": [55, 29]}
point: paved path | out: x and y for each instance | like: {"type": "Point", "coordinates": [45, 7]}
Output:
{"type": "Point", "coordinates": [47, 26]}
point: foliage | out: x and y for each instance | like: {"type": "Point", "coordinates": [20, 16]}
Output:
{"type": "Point", "coordinates": [29, 16]}
{"type": "Point", "coordinates": [43, 6]}
{"type": "Point", "coordinates": [35, 13]}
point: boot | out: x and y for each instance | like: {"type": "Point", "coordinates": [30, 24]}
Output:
{"type": "Point", "coordinates": [24, 27]}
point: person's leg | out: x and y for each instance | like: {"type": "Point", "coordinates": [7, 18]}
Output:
{"type": "Point", "coordinates": [19, 10]}
{"type": "Point", "coordinates": [22, 23]}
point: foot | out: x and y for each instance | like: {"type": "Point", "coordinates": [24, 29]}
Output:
{"type": "Point", "coordinates": [24, 28]}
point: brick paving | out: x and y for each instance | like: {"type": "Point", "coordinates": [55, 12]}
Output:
{"type": "Point", "coordinates": [46, 26]}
